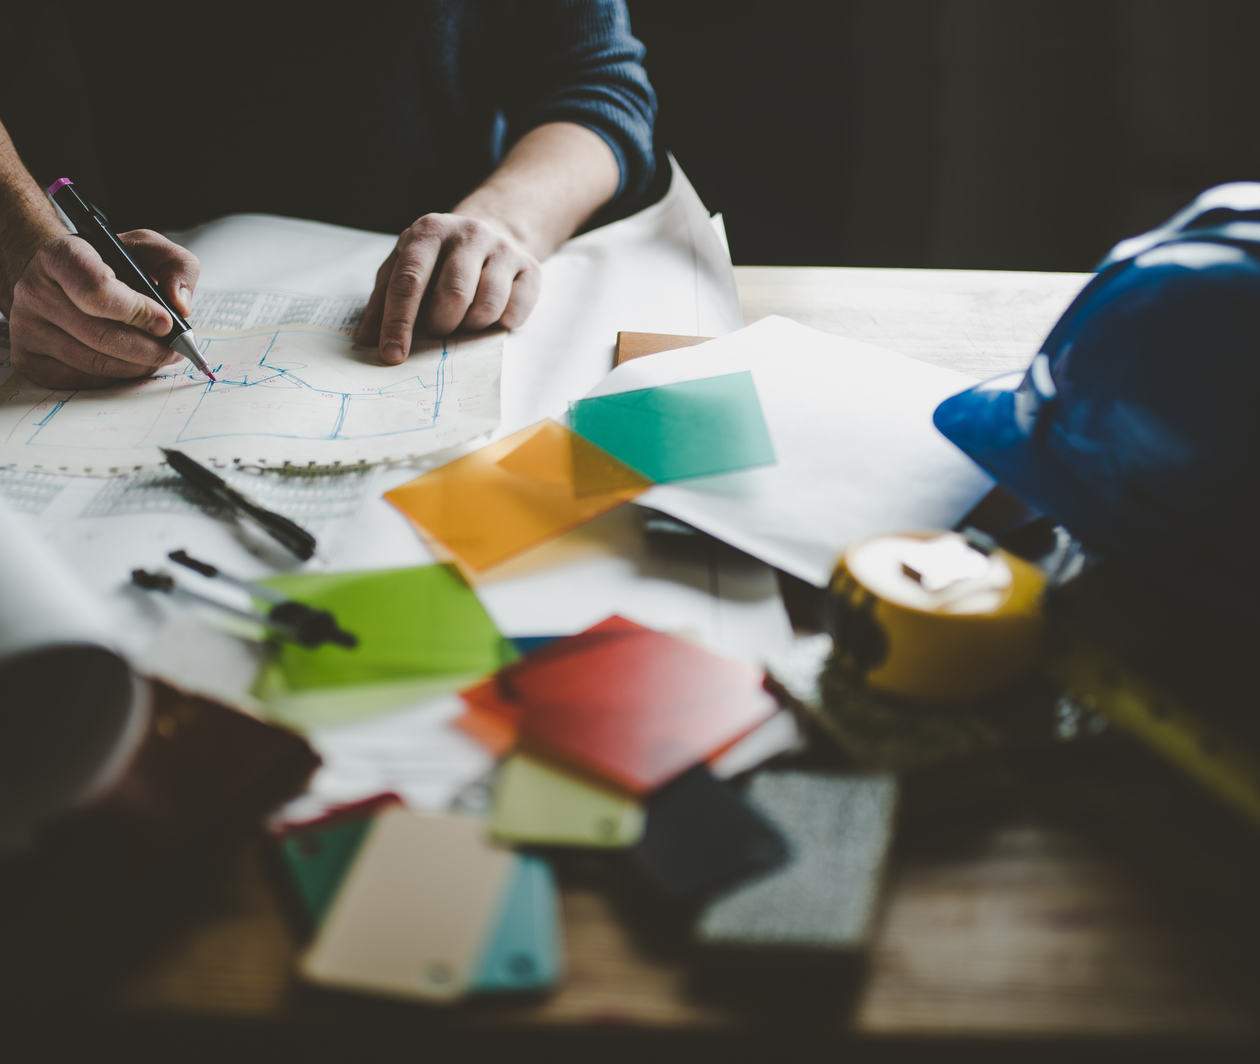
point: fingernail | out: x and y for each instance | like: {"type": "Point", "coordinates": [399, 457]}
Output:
{"type": "Point", "coordinates": [160, 325]}
{"type": "Point", "coordinates": [393, 354]}
{"type": "Point", "coordinates": [185, 296]}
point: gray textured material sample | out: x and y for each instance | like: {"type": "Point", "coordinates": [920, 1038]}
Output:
{"type": "Point", "coordinates": [838, 828]}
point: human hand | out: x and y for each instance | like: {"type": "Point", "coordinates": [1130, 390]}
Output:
{"type": "Point", "coordinates": [448, 271]}
{"type": "Point", "coordinates": [73, 324]}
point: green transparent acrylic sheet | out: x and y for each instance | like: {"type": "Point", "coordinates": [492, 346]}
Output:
{"type": "Point", "coordinates": [676, 431]}
{"type": "Point", "coordinates": [421, 631]}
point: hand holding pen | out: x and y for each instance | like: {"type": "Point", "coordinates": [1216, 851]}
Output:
{"type": "Point", "coordinates": [74, 323]}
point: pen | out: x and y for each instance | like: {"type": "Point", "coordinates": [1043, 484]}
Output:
{"type": "Point", "coordinates": [93, 226]}
{"type": "Point", "coordinates": [285, 532]}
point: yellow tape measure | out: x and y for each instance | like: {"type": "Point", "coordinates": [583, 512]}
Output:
{"type": "Point", "coordinates": [1205, 753]}
{"type": "Point", "coordinates": [934, 615]}
{"type": "Point", "coordinates": [939, 617]}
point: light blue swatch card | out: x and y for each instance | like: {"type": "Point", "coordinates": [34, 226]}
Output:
{"type": "Point", "coordinates": [523, 952]}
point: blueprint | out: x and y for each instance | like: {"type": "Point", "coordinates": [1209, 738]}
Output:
{"type": "Point", "coordinates": [292, 389]}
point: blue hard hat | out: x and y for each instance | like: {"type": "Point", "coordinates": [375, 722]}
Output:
{"type": "Point", "coordinates": [1136, 426]}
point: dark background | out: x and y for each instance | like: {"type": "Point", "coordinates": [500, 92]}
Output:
{"type": "Point", "coordinates": [1000, 134]}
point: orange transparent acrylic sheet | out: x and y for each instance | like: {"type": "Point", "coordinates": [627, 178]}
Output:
{"type": "Point", "coordinates": [522, 490]}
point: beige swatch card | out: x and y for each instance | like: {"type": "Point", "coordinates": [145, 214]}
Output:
{"type": "Point", "coordinates": [412, 916]}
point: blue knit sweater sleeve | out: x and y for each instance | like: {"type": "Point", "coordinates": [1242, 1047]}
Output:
{"type": "Point", "coordinates": [577, 61]}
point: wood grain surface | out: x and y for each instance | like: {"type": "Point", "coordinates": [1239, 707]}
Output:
{"type": "Point", "coordinates": [1108, 903]}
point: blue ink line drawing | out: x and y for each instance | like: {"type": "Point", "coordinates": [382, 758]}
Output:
{"type": "Point", "coordinates": [49, 416]}
{"type": "Point", "coordinates": [351, 415]}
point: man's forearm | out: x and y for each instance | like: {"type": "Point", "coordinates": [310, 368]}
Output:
{"type": "Point", "coordinates": [553, 179]}
{"type": "Point", "coordinates": [27, 219]}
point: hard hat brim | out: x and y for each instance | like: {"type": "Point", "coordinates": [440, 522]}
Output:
{"type": "Point", "coordinates": [984, 424]}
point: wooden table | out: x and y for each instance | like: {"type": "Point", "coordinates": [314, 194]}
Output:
{"type": "Point", "coordinates": [1065, 913]}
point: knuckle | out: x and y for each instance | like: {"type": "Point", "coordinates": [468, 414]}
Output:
{"type": "Point", "coordinates": [406, 281]}
{"type": "Point", "coordinates": [24, 292]}
{"type": "Point", "coordinates": [428, 227]}
{"type": "Point", "coordinates": [456, 292]}
{"type": "Point", "coordinates": [137, 316]}
{"type": "Point", "coordinates": [457, 283]}
{"type": "Point", "coordinates": [464, 234]}
{"type": "Point", "coordinates": [527, 284]}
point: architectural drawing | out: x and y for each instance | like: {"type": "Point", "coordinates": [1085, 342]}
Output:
{"type": "Point", "coordinates": [292, 395]}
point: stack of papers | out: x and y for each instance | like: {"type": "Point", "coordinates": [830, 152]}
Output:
{"type": "Point", "coordinates": [856, 451]}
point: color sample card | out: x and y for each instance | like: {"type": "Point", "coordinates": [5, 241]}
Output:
{"type": "Point", "coordinates": [637, 344]}
{"type": "Point", "coordinates": [520, 491]}
{"type": "Point", "coordinates": [674, 431]}
{"type": "Point", "coordinates": [702, 836]}
{"type": "Point", "coordinates": [416, 622]}
{"type": "Point", "coordinates": [632, 705]}
{"type": "Point", "coordinates": [318, 853]}
{"type": "Point", "coordinates": [524, 950]}
{"type": "Point", "coordinates": [839, 829]}
{"type": "Point", "coordinates": [414, 913]}
{"type": "Point", "coordinates": [318, 859]}
{"type": "Point", "coordinates": [538, 804]}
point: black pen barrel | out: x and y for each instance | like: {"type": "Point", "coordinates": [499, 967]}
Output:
{"type": "Point", "coordinates": [93, 227]}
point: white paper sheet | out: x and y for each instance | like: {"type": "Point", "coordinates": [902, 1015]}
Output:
{"type": "Point", "coordinates": [71, 711]}
{"type": "Point", "coordinates": [413, 753]}
{"type": "Point", "coordinates": [665, 269]}
{"type": "Point", "coordinates": [779, 735]}
{"type": "Point", "coordinates": [856, 450]}
{"type": "Point", "coordinates": [726, 601]}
